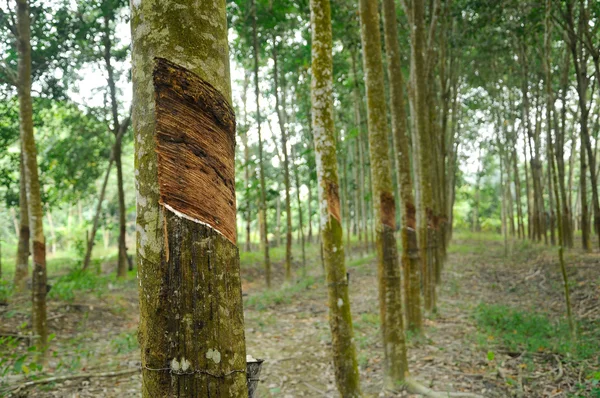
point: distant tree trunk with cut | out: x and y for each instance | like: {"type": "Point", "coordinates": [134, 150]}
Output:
{"type": "Point", "coordinates": [34, 198]}
{"type": "Point", "coordinates": [22, 257]}
{"type": "Point", "coordinates": [191, 330]}
{"type": "Point", "coordinates": [410, 248]}
{"type": "Point", "coordinates": [384, 204]}
{"type": "Point", "coordinates": [340, 317]}
{"type": "Point", "coordinates": [425, 214]}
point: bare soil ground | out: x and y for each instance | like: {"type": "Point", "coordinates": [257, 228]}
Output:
{"type": "Point", "coordinates": [95, 331]}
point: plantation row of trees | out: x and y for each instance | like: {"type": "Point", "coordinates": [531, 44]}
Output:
{"type": "Point", "coordinates": [352, 121]}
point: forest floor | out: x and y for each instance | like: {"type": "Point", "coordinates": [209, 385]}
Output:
{"type": "Point", "coordinates": [500, 330]}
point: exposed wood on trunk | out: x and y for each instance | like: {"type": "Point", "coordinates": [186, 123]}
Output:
{"type": "Point", "coordinates": [340, 317]}
{"type": "Point", "coordinates": [191, 330]}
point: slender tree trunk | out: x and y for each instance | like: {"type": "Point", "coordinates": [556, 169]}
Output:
{"type": "Point", "coordinates": [263, 189]}
{"type": "Point", "coordinates": [424, 145]}
{"type": "Point", "coordinates": [567, 229]}
{"type": "Point", "coordinates": [410, 249]}
{"type": "Point", "coordinates": [122, 257]}
{"type": "Point", "coordinates": [384, 204]}
{"type": "Point", "coordinates": [34, 199]}
{"type": "Point", "coordinates": [504, 226]}
{"type": "Point", "coordinates": [191, 329]}
{"type": "Point", "coordinates": [527, 190]}
{"type": "Point", "coordinates": [92, 237]}
{"type": "Point", "coordinates": [346, 195]}
{"type": "Point", "coordinates": [278, 221]}
{"type": "Point", "coordinates": [520, 217]}
{"type": "Point", "coordinates": [22, 258]}
{"type": "Point", "coordinates": [362, 207]}
{"type": "Point", "coordinates": [300, 216]}
{"type": "Point", "coordinates": [340, 318]}
{"type": "Point", "coordinates": [281, 111]}
{"type": "Point", "coordinates": [585, 226]}
{"type": "Point", "coordinates": [51, 229]}
{"type": "Point", "coordinates": [247, 184]}
{"type": "Point", "coordinates": [310, 232]}
{"type": "Point", "coordinates": [552, 169]}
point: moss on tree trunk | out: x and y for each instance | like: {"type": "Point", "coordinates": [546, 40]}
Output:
{"type": "Point", "coordinates": [390, 296]}
{"type": "Point", "coordinates": [410, 254]}
{"type": "Point", "coordinates": [340, 318]}
{"type": "Point", "coordinates": [34, 199]}
{"type": "Point", "coordinates": [191, 320]}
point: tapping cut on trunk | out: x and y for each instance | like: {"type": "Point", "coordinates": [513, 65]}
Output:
{"type": "Point", "coordinates": [195, 143]}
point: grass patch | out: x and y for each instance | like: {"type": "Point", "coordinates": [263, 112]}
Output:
{"type": "Point", "coordinates": [67, 286]}
{"type": "Point", "coordinates": [531, 332]}
{"type": "Point", "coordinates": [272, 297]}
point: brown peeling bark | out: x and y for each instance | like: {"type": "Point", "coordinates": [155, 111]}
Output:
{"type": "Point", "coordinates": [195, 143]}
{"type": "Point", "coordinates": [333, 204]}
{"type": "Point", "coordinates": [388, 209]}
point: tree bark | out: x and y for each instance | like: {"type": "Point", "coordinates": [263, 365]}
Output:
{"type": "Point", "coordinates": [191, 330]}
{"type": "Point", "coordinates": [122, 257]}
{"type": "Point", "coordinates": [92, 236]}
{"type": "Point", "coordinates": [247, 186]}
{"type": "Point", "coordinates": [410, 249]}
{"type": "Point", "coordinates": [34, 199]}
{"type": "Point", "coordinates": [384, 204]}
{"type": "Point", "coordinates": [263, 189]}
{"type": "Point", "coordinates": [280, 106]}
{"type": "Point", "coordinates": [362, 229]}
{"type": "Point", "coordinates": [425, 216]}
{"type": "Point", "coordinates": [300, 216]}
{"type": "Point", "coordinates": [340, 318]}
{"type": "Point", "coordinates": [22, 258]}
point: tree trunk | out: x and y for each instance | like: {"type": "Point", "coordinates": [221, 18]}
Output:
{"type": "Point", "coordinates": [22, 258]}
{"type": "Point", "coordinates": [34, 199]}
{"type": "Point", "coordinates": [92, 237]}
{"type": "Point", "coordinates": [310, 233]}
{"type": "Point", "coordinates": [300, 216]}
{"type": "Point", "coordinates": [191, 329]}
{"type": "Point", "coordinates": [340, 318]}
{"type": "Point", "coordinates": [410, 249]}
{"type": "Point", "coordinates": [567, 229]}
{"type": "Point", "coordinates": [552, 168]}
{"type": "Point", "coordinates": [263, 189]}
{"type": "Point", "coordinates": [384, 204]}
{"type": "Point", "coordinates": [247, 186]}
{"type": "Point", "coordinates": [424, 145]}
{"type": "Point", "coordinates": [51, 228]}
{"type": "Point", "coordinates": [362, 206]}
{"type": "Point", "coordinates": [122, 257]}
{"type": "Point", "coordinates": [278, 220]}
{"type": "Point", "coordinates": [585, 226]}
{"type": "Point", "coordinates": [280, 106]}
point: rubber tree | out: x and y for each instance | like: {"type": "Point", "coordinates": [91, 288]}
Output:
{"type": "Point", "coordinates": [410, 248]}
{"type": "Point", "coordinates": [340, 317]}
{"type": "Point", "coordinates": [281, 117]}
{"type": "Point", "coordinates": [22, 258]}
{"type": "Point", "coordinates": [264, 232]}
{"type": "Point", "coordinates": [34, 199]}
{"type": "Point", "coordinates": [191, 330]}
{"type": "Point", "coordinates": [384, 204]}
{"type": "Point", "coordinates": [424, 169]}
